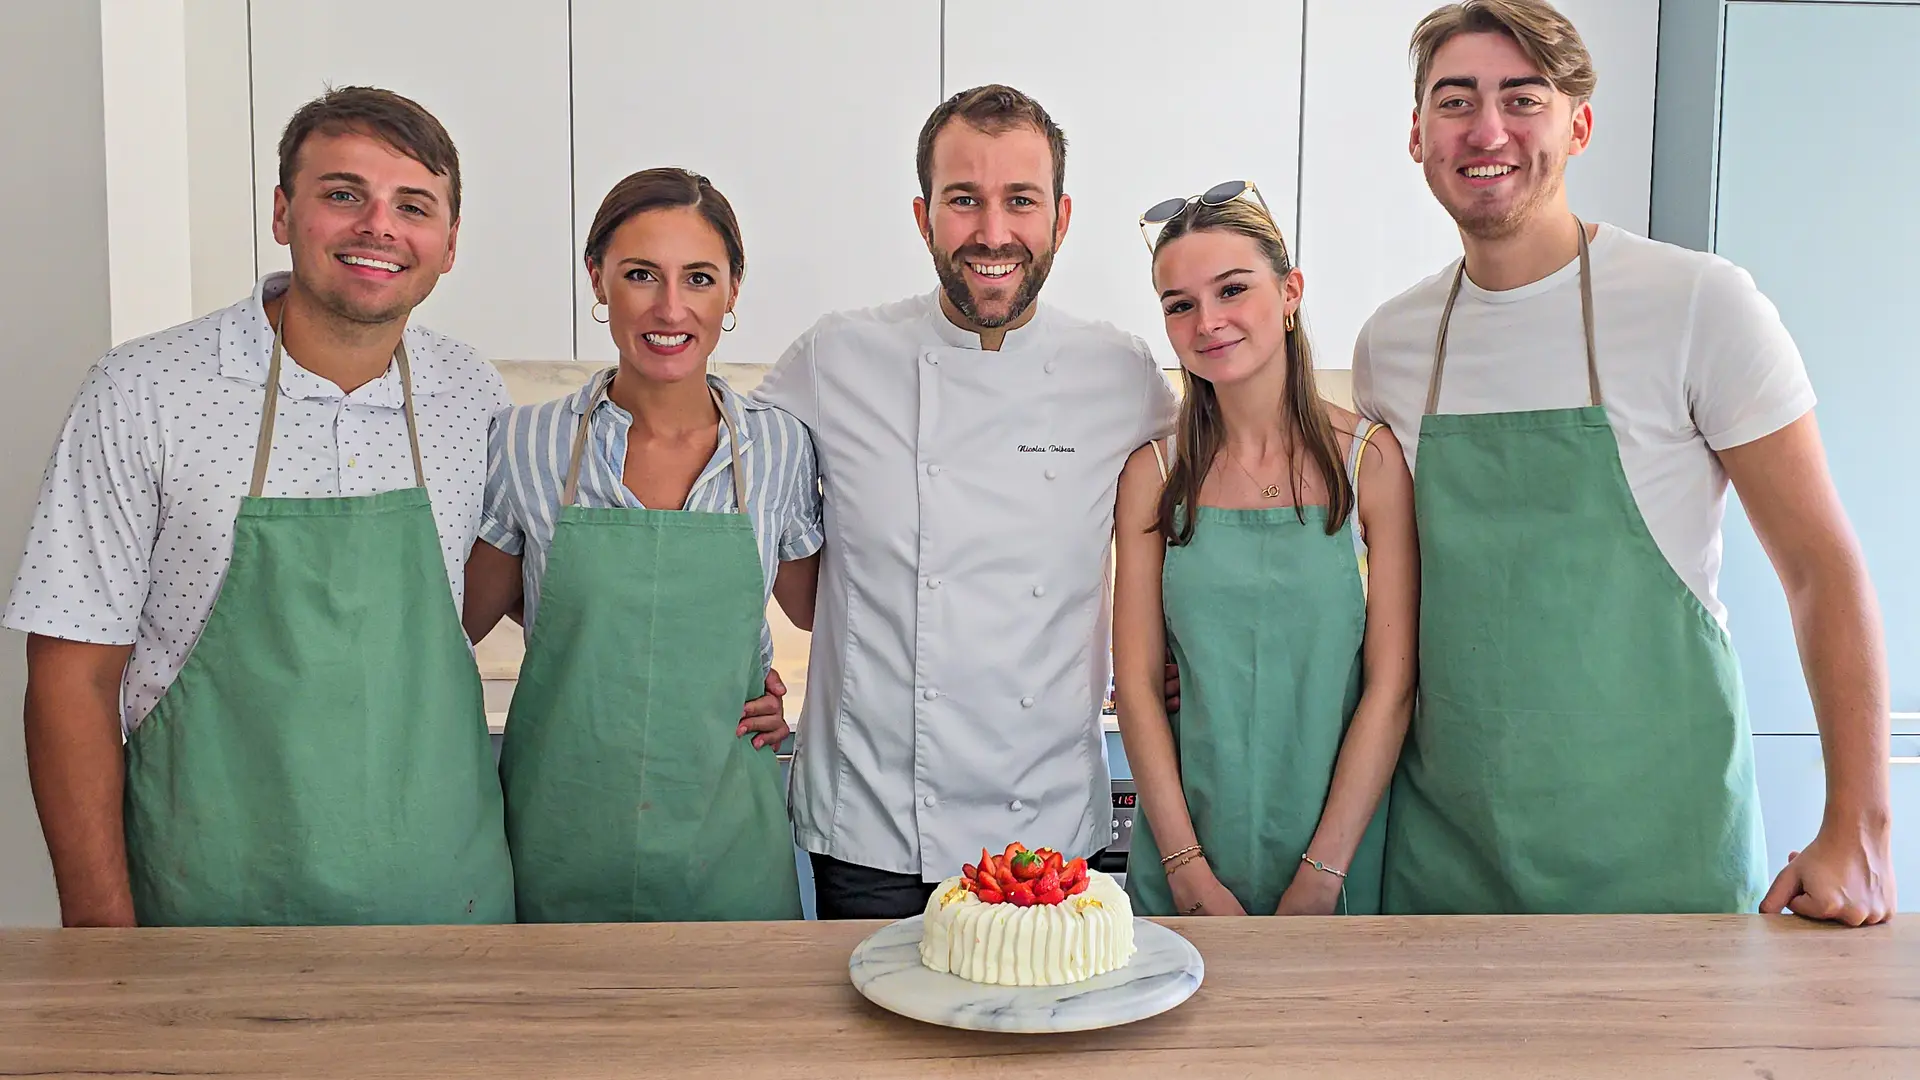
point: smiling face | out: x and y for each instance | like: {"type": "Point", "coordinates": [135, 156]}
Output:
{"type": "Point", "coordinates": [1224, 304]}
{"type": "Point", "coordinates": [1493, 136]}
{"type": "Point", "coordinates": [991, 225]}
{"type": "Point", "coordinates": [369, 228]}
{"type": "Point", "coordinates": [665, 282]}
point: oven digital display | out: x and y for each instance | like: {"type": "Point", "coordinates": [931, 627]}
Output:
{"type": "Point", "coordinates": [1124, 800]}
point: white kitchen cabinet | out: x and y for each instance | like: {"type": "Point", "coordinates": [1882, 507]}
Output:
{"type": "Point", "coordinates": [1793, 792]}
{"type": "Point", "coordinates": [1369, 227]}
{"type": "Point", "coordinates": [803, 115]}
{"type": "Point", "coordinates": [499, 83]}
{"type": "Point", "coordinates": [1156, 102]}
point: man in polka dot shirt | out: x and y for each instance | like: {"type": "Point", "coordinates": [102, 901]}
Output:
{"type": "Point", "coordinates": [245, 561]}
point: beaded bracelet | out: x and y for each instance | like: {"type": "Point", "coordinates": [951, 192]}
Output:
{"type": "Point", "coordinates": [1165, 859]}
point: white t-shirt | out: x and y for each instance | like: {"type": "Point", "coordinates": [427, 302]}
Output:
{"type": "Point", "coordinates": [1692, 359]}
{"type": "Point", "coordinates": [134, 530]}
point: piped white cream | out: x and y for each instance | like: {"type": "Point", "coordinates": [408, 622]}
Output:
{"type": "Point", "coordinates": [1045, 945]}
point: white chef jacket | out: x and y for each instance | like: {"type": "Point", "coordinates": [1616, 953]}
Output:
{"type": "Point", "coordinates": [960, 643]}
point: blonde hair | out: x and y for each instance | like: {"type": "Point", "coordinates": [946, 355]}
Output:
{"type": "Point", "coordinates": [1547, 38]}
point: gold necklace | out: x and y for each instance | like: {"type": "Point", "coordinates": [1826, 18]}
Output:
{"type": "Point", "coordinates": [1271, 491]}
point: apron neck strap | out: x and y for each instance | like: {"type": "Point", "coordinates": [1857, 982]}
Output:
{"type": "Point", "coordinates": [1586, 325]}
{"type": "Point", "coordinates": [572, 491]}
{"type": "Point", "coordinates": [269, 407]}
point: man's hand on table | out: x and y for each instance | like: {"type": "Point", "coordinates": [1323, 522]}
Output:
{"type": "Point", "coordinates": [1838, 878]}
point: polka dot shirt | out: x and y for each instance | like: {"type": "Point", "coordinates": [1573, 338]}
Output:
{"type": "Point", "coordinates": [134, 529]}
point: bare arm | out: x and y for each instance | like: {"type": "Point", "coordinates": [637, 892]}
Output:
{"type": "Point", "coordinates": [794, 586]}
{"type": "Point", "coordinates": [78, 773]}
{"type": "Point", "coordinates": [1371, 748]}
{"type": "Point", "coordinates": [493, 589]}
{"type": "Point", "coordinates": [1139, 656]}
{"type": "Point", "coordinates": [1846, 874]}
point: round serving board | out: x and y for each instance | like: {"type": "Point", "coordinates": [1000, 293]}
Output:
{"type": "Point", "coordinates": [1165, 970]}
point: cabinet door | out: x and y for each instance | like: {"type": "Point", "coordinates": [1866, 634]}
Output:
{"type": "Point", "coordinates": [499, 85]}
{"type": "Point", "coordinates": [1839, 258]}
{"type": "Point", "coordinates": [804, 115]}
{"type": "Point", "coordinates": [1793, 793]}
{"type": "Point", "coordinates": [1369, 227]}
{"type": "Point", "coordinates": [1156, 101]}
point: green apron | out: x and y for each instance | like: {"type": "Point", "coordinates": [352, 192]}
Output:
{"type": "Point", "coordinates": [629, 797]}
{"type": "Point", "coordinates": [323, 756]}
{"type": "Point", "coordinates": [1266, 616]}
{"type": "Point", "coordinates": [1581, 742]}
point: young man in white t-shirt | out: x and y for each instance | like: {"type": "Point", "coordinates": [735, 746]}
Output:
{"type": "Point", "coordinates": [1574, 400]}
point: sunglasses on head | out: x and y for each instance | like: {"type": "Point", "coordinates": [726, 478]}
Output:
{"type": "Point", "coordinates": [1154, 221]}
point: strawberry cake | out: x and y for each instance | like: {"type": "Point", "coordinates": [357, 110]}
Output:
{"type": "Point", "coordinates": [1027, 918]}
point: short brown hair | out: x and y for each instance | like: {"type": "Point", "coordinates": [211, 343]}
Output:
{"type": "Point", "coordinates": [1546, 36]}
{"type": "Point", "coordinates": [397, 121]}
{"type": "Point", "coordinates": [993, 109]}
{"type": "Point", "coordinates": [664, 189]}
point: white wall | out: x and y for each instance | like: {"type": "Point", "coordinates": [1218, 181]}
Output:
{"type": "Point", "coordinates": [219, 140]}
{"type": "Point", "coordinates": [810, 135]}
{"type": "Point", "coordinates": [55, 311]}
{"type": "Point", "coordinates": [805, 115]}
{"type": "Point", "coordinates": [1370, 227]}
{"type": "Point", "coordinates": [144, 50]}
{"type": "Point", "coordinates": [495, 75]}
{"type": "Point", "coordinates": [1143, 124]}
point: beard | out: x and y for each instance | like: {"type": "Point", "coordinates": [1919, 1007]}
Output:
{"type": "Point", "coordinates": [951, 267]}
{"type": "Point", "coordinates": [348, 310]}
{"type": "Point", "coordinates": [1501, 222]}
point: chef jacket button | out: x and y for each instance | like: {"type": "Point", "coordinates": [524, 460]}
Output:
{"type": "Point", "coordinates": [1016, 805]}
{"type": "Point", "coordinates": [1051, 474]}
{"type": "Point", "coordinates": [933, 470]}
{"type": "Point", "coordinates": [1026, 703]}
{"type": "Point", "coordinates": [1039, 590]}
{"type": "Point", "coordinates": [930, 693]}
{"type": "Point", "coordinates": [933, 583]}
{"type": "Point", "coordinates": [928, 801]}
{"type": "Point", "coordinates": [1050, 366]}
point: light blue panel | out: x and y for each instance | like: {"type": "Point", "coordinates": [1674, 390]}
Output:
{"type": "Point", "coordinates": [1117, 765]}
{"type": "Point", "coordinates": [1819, 198]}
{"type": "Point", "coordinates": [1793, 790]}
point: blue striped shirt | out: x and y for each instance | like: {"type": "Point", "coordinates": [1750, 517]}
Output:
{"type": "Point", "coordinates": [530, 446]}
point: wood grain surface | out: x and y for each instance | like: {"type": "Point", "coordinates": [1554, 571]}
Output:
{"type": "Point", "coordinates": [1748, 997]}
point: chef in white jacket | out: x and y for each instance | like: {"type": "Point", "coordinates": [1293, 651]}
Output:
{"type": "Point", "coordinates": [969, 441]}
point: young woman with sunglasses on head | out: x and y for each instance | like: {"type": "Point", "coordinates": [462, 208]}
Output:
{"type": "Point", "coordinates": [1270, 547]}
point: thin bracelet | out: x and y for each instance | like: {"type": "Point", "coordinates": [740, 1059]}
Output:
{"type": "Point", "coordinates": [1192, 855]}
{"type": "Point", "coordinates": [1165, 859]}
{"type": "Point", "coordinates": [1323, 867]}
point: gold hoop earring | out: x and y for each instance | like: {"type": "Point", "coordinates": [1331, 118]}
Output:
{"type": "Point", "coordinates": [726, 326]}
{"type": "Point", "coordinates": [596, 318]}
{"type": "Point", "coordinates": [1289, 324]}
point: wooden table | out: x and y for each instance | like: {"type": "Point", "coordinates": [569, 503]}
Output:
{"type": "Point", "coordinates": [1487, 998]}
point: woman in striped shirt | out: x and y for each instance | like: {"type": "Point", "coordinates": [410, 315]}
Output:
{"type": "Point", "coordinates": [639, 526]}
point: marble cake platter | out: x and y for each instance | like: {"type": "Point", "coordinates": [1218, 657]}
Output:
{"type": "Point", "coordinates": [1165, 970]}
